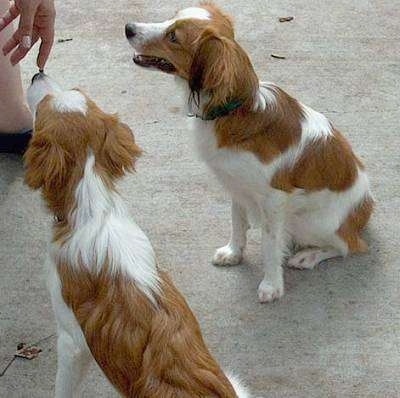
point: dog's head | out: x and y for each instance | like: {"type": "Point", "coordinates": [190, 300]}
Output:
{"type": "Point", "coordinates": [69, 127]}
{"type": "Point", "coordinates": [198, 45]}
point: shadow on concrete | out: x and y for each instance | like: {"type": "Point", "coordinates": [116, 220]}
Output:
{"type": "Point", "coordinates": [11, 168]}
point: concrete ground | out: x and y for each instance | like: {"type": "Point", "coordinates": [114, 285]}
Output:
{"type": "Point", "coordinates": [336, 332]}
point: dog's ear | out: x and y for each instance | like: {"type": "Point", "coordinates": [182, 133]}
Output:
{"type": "Point", "coordinates": [46, 162]}
{"type": "Point", "coordinates": [221, 68]}
{"type": "Point", "coordinates": [210, 66]}
{"type": "Point", "coordinates": [119, 151]}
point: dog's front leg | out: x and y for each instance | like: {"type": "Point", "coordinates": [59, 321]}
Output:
{"type": "Point", "coordinates": [232, 253]}
{"type": "Point", "coordinates": [72, 363]}
{"type": "Point", "coordinates": [273, 249]}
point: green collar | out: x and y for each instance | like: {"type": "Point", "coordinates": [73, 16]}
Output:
{"type": "Point", "coordinates": [223, 110]}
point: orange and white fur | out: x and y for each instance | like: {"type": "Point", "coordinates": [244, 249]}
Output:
{"type": "Point", "coordinates": [111, 301]}
{"type": "Point", "coordinates": [285, 165]}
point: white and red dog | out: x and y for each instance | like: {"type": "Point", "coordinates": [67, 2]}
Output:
{"type": "Point", "coordinates": [111, 301]}
{"type": "Point", "coordinates": [284, 164]}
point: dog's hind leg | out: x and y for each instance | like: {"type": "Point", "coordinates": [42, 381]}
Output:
{"type": "Point", "coordinates": [232, 253]}
{"type": "Point", "coordinates": [346, 240]}
{"type": "Point", "coordinates": [309, 258]}
{"type": "Point", "coordinates": [73, 361]}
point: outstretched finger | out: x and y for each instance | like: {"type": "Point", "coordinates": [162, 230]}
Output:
{"type": "Point", "coordinates": [9, 16]}
{"type": "Point", "coordinates": [44, 50]}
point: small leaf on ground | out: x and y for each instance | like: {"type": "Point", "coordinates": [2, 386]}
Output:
{"type": "Point", "coordinates": [64, 40]}
{"type": "Point", "coordinates": [286, 19]}
{"type": "Point", "coordinates": [278, 56]}
{"type": "Point", "coordinates": [27, 352]}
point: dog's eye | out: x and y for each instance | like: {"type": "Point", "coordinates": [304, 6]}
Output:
{"type": "Point", "coordinates": [172, 37]}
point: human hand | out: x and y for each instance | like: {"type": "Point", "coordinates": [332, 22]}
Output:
{"type": "Point", "coordinates": [36, 22]}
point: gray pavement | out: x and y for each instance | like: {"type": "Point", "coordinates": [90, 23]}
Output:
{"type": "Point", "coordinates": [336, 332]}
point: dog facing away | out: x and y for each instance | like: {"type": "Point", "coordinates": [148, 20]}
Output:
{"type": "Point", "coordinates": [111, 301]}
{"type": "Point", "coordinates": [285, 165]}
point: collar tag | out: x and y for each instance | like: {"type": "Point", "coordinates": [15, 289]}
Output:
{"type": "Point", "coordinates": [58, 219]}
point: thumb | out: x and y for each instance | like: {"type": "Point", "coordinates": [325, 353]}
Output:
{"type": "Point", "coordinates": [25, 27]}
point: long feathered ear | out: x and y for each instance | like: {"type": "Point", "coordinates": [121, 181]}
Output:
{"type": "Point", "coordinates": [210, 66]}
{"type": "Point", "coordinates": [221, 68]}
{"type": "Point", "coordinates": [119, 151]}
{"type": "Point", "coordinates": [46, 163]}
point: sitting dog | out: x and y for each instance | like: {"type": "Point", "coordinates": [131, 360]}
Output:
{"type": "Point", "coordinates": [285, 165]}
{"type": "Point", "coordinates": [110, 299]}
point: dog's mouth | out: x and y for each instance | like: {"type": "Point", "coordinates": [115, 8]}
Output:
{"type": "Point", "coordinates": [148, 61]}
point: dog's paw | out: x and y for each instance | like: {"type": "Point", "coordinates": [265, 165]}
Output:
{"type": "Point", "coordinates": [227, 255]}
{"type": "Point", "coordinates": [305, 259]}
{"type": "Point", "coordinates": [268, 292]}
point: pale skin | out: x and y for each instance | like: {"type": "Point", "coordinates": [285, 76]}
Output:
{"type": "Point", "coordinates": [36, 24]}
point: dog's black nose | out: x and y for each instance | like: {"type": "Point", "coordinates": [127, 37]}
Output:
{"type": "Point", "coordinates": [37, 76]}
{"type": "Point", "coordinates": [130, 30]}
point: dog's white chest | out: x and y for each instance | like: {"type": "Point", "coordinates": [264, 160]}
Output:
{"type": "Point", "coordinates": [240, 172]}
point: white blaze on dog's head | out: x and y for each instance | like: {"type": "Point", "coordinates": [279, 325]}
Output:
{"type": "Point", "coordinates": [70, 101]}
{"type": "Point", "coordinates": [194, 13]}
